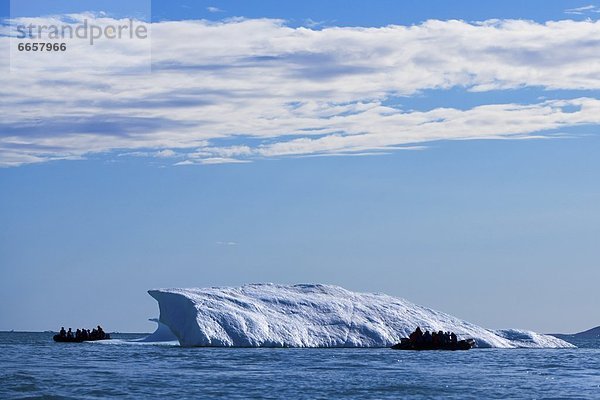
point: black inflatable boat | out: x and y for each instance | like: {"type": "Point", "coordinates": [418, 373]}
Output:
{"type": "Point", "coordinates": [66, 339]}
{"type": "Point", "coordinates": [406, 344]}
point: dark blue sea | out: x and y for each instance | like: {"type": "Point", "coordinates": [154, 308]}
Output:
{"type": "Point", "coordinates": [33, 366]}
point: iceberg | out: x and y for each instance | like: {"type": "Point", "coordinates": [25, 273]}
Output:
{"type": "Point", "coordinates": [161, 334]}
{"type": "Point", "coordinates": [314, 315]}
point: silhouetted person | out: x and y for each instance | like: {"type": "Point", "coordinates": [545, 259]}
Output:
{"type": "Point", "coordinates": [446, 338]}
{"type": "Point", "coordinates": [70, 334]}
{"type": "Point", "coordinates": [453, 338]}
{"type": "Point", "coordinates": [101, 333]}
{"type": "Point", "coordinates": [440, 336]}
{"type": "Point", "coordinates": [417, 336]}
{"type": "Point", "coordinates": [78, 334]}
{"type": "Point", "coordinates": [84, 334]}
{"type": "Point", "coordinates": [63, 333]}
{"type": "Point", "coordinates": [427, 338]}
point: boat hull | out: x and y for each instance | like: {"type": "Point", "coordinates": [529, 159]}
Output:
{"type": "Point", "coordinates": [405, 344]}
{"type": "Point", "coordinates": [63, 339]}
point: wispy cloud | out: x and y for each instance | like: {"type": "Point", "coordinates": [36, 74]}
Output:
{"type": "Point", "coordinates": [247, 89]}
{"type": "Point", "coordinates": [214, 9]}
{"type": "Point", "coordinates": [583, 10]}
{"type": "Point", "coordinates": [166, 153]}
{"type": "Point", "coordinates": [311, 23]}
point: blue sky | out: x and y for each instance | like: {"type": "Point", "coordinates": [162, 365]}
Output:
{"type": "Point", "coordinates": [461, 174]}
{"type": "Point", "coordinates": [337, 12]}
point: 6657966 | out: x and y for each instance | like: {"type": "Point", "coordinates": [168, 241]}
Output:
{"type": "Point", "coordinates": [42, 46]}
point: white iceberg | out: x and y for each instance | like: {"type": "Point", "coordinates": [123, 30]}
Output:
{"type": "Point", "coordinates": [269, 315]}
{"type": "Point", "coordinates": [161, 334]}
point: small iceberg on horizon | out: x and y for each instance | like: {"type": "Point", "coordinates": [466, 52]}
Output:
{"type": "Point", "coordinates": [313, 315]}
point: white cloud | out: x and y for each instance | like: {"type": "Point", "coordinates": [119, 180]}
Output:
{"type": "Point", "coordinates": [167, 153]}
{"type": "Point", "coordinates": [186, 162]}
{"type": "Point", "coordinates": [213, 9]}
{"type": "Point", "coordinates": [582, 10]}
{"type": "Point", "coordinates": [220, 160]}
{"type": "Point", "coordinates": [237, 90]}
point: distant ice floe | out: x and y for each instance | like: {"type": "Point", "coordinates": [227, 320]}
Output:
{"type": "Point", "coordinates": [522, 338]}
{"type": "Point", "coordinates": [269, 315]}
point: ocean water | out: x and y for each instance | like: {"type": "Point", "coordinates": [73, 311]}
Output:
{"type": "Point", "coordinates": [33, 366]}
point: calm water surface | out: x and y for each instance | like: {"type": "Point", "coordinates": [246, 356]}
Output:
{"type": "Point", "coordinates": [33, 366]}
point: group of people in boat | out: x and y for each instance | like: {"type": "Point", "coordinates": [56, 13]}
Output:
{"type": "Point", "coordinates": [435, 339]}
{"type": "Point", "coordinates": [83, 334]}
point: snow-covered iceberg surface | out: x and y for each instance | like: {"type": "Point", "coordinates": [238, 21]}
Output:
{"type": "Point", "coordinates": [272, 315]}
